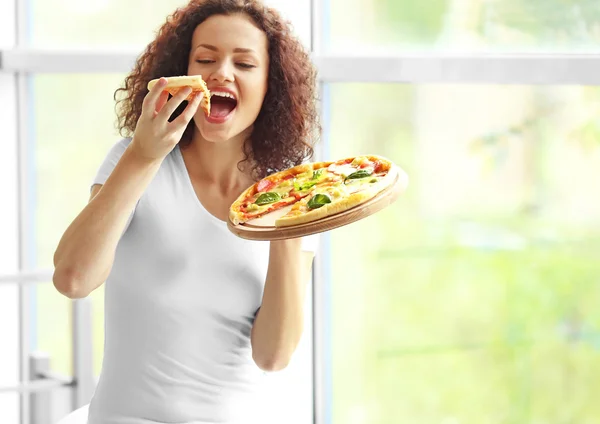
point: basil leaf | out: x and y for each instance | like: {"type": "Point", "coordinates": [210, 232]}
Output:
{"type": "Point", "coordinates": [318, 200]}
{"type": "Point", "coordinates": [363, 173]}
{"type": "Point", "coordinates": [305, 186]}
{"type": "Point", "coordinates": [317, 174]}
{"type": "Point", "coordinates": [266, 198]}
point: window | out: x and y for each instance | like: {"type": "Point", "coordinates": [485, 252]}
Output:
{"type": "Point", "coordinates": [9, 224]}
{"type": "Point", "coordinates": [9, 253]}
{"type": "Point", "coordinates": [132, 23]}
{"type": "Point", "coordinates": [469, 299]}
{"type": "Point", "coordinates": [69, 145]}
{"type": "Point", "coordinates": [532, 26]}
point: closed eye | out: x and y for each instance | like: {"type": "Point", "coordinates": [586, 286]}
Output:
{"type": "Point", "coordinates": [245, 65]}
{"type": "Point", "coordinates": [206, 61]}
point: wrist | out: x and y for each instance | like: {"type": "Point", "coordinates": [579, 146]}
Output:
{"type": "Point", "coordinates": [138, 158]}
{"type": "Point", "coordinates": [294, 244]}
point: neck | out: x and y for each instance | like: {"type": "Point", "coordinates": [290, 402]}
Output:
{"type": "Point", "coordinates": [217, 163]}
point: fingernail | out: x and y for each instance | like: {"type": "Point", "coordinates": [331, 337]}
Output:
{"type": "Point", "coordinates": [162, 81]}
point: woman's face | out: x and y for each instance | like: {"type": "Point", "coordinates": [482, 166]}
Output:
{"type": "Point", "coordinates": [231, 54]}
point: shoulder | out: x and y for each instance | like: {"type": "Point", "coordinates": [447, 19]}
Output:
{"type": "Point", "coordinates": [121, 145]}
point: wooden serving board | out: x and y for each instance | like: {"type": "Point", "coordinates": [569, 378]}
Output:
{"type": "Point", "coordinates": [264, 229]}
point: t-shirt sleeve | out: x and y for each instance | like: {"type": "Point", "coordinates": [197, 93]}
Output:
{"type": "Point", "coordinates": [110, 161]}
{"type": "Point", "coordinates": [108, 165]}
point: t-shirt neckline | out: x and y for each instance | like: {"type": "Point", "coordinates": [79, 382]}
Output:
{"type": "Point", "coordinates": [190, 188]}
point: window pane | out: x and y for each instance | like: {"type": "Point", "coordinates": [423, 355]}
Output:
{"type": "Point", "coordinates": [462, 25]}
{"type": "Point", "coordinates": [474, 297]}
{"type": "Point", "coordinates": [9, 252]}
{"type": "Point", "coordinates": [133, 23]}
{"type": "Point", "coordinates": [76, 23]}
{"type": "Point", "coordinates": [74, 126]}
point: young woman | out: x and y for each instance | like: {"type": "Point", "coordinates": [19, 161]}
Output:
{"type": "Point", "coordinates": [194, 313]}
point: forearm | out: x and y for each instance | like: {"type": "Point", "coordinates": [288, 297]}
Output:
{"type": "Point", "coordinates": [279, 323]}
{"type": "Point", "coordinates": [85, 253]}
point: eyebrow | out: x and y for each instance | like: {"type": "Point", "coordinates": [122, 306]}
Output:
{"type": "Point", "coordinates": [236, 50]}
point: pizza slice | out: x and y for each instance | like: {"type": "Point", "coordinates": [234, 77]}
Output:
{"type": "Point", "coordinates": [174, 84]}
{"type": "Point", "coordinates": [272, 193]}
{"type": "Point", "coordinates": [346, 184]}
{"type": "Point", "coordinates": [315, 190]}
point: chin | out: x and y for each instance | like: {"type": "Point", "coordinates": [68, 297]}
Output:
{"type": "Point", "coordinates": [213, 137]}
{"type": "Point", "coordinates": [221, 132]}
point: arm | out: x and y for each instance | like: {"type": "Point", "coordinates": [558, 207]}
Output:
{"type": "Point", "coordinates": [280, 320]}
{"type": "Point", "coordinates": [85, 253]}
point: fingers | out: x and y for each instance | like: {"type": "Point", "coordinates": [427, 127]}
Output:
{"type": "Point", "coordinates": [162, 100]}
{"type": "Point", "coordinates": [173, 104]}
{"type": "Point", "coordinates": [149, 103]}
{"type": "Point", "coordinates": [190, 110]}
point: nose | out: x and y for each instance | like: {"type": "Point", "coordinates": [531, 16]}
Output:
{"type": "Point", "coordinates": [223, 72]}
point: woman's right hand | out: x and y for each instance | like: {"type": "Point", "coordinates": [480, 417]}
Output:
{"type": "Point", "coordinates": [154, 135]}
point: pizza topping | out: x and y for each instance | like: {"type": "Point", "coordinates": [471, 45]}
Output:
{"type": "Point", "coordinates": [307, 175]}
{"type": "Point", "coordinates": [350, 167]}
{"type": "Point", "coordinates": [361, 161]}
{"type": "Point", "coordinates": [305, 186]}
{"type": "Point", "coordinates": [317, 173]}
{"type": "Point", "coordinates": [341, 169]}
{"type": "Point", "coordinates": [253, 210]}
{"type": "Point", "coordinates": [267, 198]}
{"type": "Point", "coordinates": [287, 181]}
{"type": "Point", "coordinates": [363, 173]}
{"type": "Point", "coordinates": [318, 200]}
{"type": "Point", "coordinates": [282, 191]}
{"type": "Point", "coordinates": [264, 185]}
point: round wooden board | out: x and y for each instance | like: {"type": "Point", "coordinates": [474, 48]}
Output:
{"type": "Point", "coordinates": [264, 229]}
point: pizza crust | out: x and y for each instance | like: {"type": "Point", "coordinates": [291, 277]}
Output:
{"type": "Point", "coordinates": [174, 84]}
{"type": "Point", "coordinates": [235, 215]}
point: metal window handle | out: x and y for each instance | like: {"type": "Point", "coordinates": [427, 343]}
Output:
{"type": "Point", "coordinates": [43, 396]}
{"type": "Point", "coordinates": [44, 404]}
{"type": "Point", "coordinates": [40, 402]}
{"type": "Point", "coordinates": [42, 379]}
{"type": "Point", "coordinates": [42, 390]}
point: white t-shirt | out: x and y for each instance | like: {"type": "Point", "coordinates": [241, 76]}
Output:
{"type": "Point", "coordinates": [180, 302]}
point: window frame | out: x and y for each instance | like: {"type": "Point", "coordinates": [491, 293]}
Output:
{"type": "Point", "coordinates": [557, 69]}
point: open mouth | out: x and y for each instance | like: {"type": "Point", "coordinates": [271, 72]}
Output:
{"type": "Point", "coordinates": [221, 104]}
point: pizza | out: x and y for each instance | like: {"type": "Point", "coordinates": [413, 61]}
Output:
{"type": "Point", "coordinates": [174, 84]}
{"type": "Point", "coordinates": [313, 191]}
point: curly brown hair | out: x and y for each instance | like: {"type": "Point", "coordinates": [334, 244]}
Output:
{"type": "Point", "coordinates": [287, 125]}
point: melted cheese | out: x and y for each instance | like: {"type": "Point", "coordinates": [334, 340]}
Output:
{"type": "Point", "coordinates": [343, 170]}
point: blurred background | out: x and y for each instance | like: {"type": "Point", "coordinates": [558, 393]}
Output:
{"type": "Point", "coordinates": [474, 299]}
